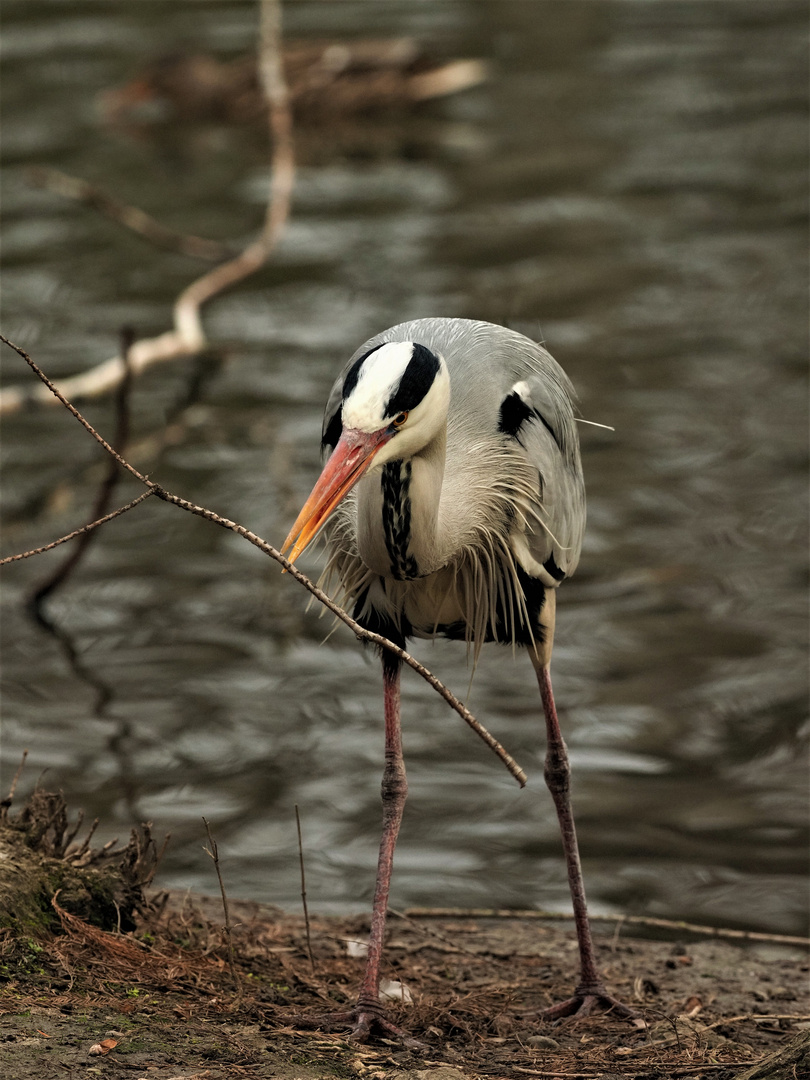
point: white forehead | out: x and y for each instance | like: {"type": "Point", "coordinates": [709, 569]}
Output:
{"type": "Point", "coordinates": [378, 379]}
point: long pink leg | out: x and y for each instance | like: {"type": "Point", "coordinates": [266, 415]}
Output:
{"type": "Point", "coordinates": [590, 992]}
{"type": "Point", "coordinates": [367, 1017]}
{"type": "Point", "coordinates": [394, 792]}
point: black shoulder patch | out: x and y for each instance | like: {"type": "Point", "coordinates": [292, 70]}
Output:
{"type": "Point", "coordinates": [551, 565]}
{"type": "Point", "coordinates": [333, 429]}
{"type": "Point", "coordinates": [416, 380]}
{"type": "Point", "coordinates": [514, 414]}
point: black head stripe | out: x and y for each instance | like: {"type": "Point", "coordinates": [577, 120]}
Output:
{"type": "Point", "coordinates": [332, 430]}
{"type": "Point", "coordinates": [353, 374]}
{"type": "Point", "coordinates": [416, 380]}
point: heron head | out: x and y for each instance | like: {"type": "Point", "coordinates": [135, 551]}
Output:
{"type": "Point", "coordinates": [393, 404]}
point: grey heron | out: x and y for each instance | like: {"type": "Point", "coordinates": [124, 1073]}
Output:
{"type": "Point", "coordinates": [455, 504]}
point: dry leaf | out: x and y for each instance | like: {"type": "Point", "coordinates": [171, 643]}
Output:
{"type": "Point", "coordinates": [103, 1047]}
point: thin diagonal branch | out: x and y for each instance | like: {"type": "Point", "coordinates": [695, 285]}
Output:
{"type": "Point", "coordinates": [358, 630]}
{"type": "Point", "coordinates": [57, 393]}
{"type": "Point", "coordinates": [293, 571]}
{"type": "Point", "coordinates": [77, 532]}
{"type": "Point", "coordinates": [106, 489]}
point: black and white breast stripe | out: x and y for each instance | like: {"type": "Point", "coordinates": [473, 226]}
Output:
{"type": "Point", "coordinates": [396, 516]}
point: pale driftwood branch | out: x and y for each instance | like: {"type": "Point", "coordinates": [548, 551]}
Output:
{"type": "Point", "coordinates": [282, 176]}
{"type": "Point", "coordinates": [77, 532]}
{"type": "Point", "coordinates": [629, 920]}
{"type": "Point", "coordinates": [130, 217]}
{"type": "Point", "coordinates": [54, 390]}
{"type": "Point", "coordinates": [359, 631]}
{"type": "Point", "coordinates": [188, 338]}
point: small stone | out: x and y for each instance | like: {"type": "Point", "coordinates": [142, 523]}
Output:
{"type": "Point", "coordinates": [541, 1042]}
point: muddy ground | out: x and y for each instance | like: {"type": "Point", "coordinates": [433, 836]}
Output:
{"type": "Point", "coordinates": [161, 1002]}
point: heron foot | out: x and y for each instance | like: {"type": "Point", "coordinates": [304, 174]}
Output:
{"type": "Point", "coordinates": [589, 999]}
{"type": "Point", "coordinates": [366, 1023]}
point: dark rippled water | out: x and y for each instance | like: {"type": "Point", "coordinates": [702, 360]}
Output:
{"type": "Point", "coordinates": [631, 187]}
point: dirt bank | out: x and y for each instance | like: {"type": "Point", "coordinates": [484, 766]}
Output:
{"type": "Point", "coordinates": [98, 979]}
{"type": "Point", "coordinates": [166, 997]}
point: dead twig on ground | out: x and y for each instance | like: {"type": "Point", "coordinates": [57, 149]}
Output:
{"type": "Point", "coordinates": [213, 853]}
{"type": "Point", "coordinates": [634, 920]}
{"type": "Point", "coordinates": [434, 934]}
{"type": "Point", "coordinates": [304, 888]}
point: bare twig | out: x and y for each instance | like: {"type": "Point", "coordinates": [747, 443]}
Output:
{"type": "Point", "coordinates": [797, 1017]}
{"type": "Point", "coordinates": [77, 532]}
{"type": "Point", "coordinates": [748, 1017]}
{"type": "Point", "coordinates": [57, 393]}
{"type": "Point", "coordinates": [108, 484]}
{"type": "Point", "coordinates": [131, 217]}
{"type": "Point", "coordinates": [358, 630]}
{"type": "Point", "coordinates": [187, 337]}
{"type": "Point", "coordinates": [636, 920]}
{"type": "Point", "coordinates": [432, 933]}
{"type": "Point", "coordinates": [214, 854]}
{"type": "Point", "coordinates": [675, 1071]}
{"type": "Point", "coordinates": [304, 888]}
{"type": "Point", "coordinates": [268, 549]}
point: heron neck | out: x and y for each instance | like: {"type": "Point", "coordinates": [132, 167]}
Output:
{"type": "Point", "coordinates": [427, 478]}
{"type": "Point", "coordinates": [399, 514]}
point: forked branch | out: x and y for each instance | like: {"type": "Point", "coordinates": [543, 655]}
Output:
{"type": "Point", "coordinates": [293, 571]}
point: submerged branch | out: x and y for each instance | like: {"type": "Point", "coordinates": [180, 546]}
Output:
{"type": "Point", "coordinates": [130, 217]}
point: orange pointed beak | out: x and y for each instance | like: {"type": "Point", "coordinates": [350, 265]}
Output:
{"type": "Point", "coordinates": [351, 457]}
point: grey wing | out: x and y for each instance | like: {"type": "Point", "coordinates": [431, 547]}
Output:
{"type": "Point", "coordinates": [547, 438]}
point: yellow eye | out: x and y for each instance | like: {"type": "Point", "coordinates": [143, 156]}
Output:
{"type": "Point", "coordinates": [399, 419]}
